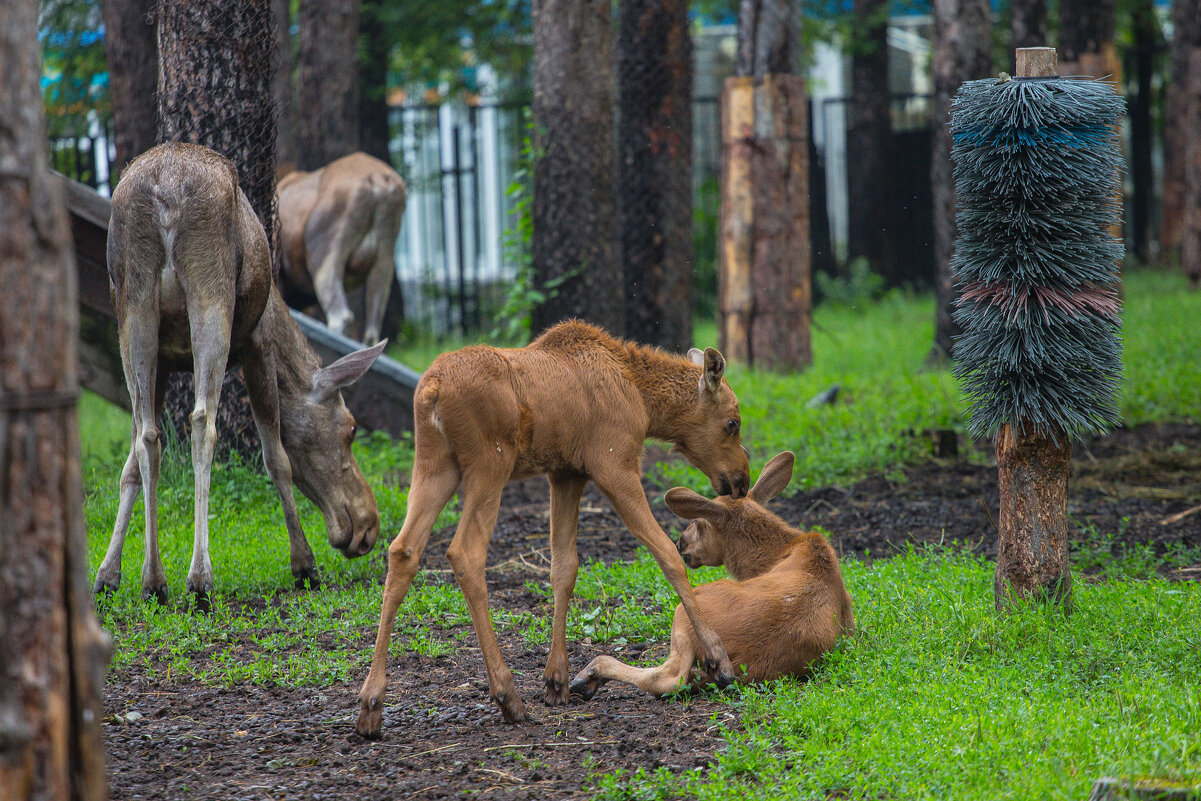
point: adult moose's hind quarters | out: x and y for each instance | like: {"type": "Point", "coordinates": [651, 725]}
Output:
{"type": "Point", "coordinates": [576, 405]}
{"type": "Point", "coordinates": [785, 607]}
{"type": "Point", "coordinates": [189, 297]}
{"type": "Point", "coordinates": [338, 230]}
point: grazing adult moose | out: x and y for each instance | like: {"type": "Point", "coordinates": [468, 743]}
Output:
{"type": "Point", "coordinates": [338, 226]}
{"type": "Point", "coordinates": [576, 405]}
{"type": "Point", "coordinates": [190, 277]}
{"type": "Point", "coordinates": [786, 607]}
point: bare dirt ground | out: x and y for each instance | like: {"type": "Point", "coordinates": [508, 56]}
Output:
{"type": "Point", "coordinates": [443, 738]}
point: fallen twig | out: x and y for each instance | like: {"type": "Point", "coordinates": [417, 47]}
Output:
{"type": "Point", "coordinates": [1176, 518]}
{"type": "Point", "coordinates": [551, 745]}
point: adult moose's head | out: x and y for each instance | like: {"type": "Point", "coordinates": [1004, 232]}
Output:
{"type": "Point", "coordinates": [317, 432]}
{"type": "Point", "coordinates": [710, 434]}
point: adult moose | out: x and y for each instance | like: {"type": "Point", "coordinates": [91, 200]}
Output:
{"type": "Point", "coordinates": [786, 607]}
{"type": "Point", "coordinates": [190, 277]}
{"type": "Point", "coordinates": [338, 226]}
{"type": "Point", "coordinates": [576, 405]}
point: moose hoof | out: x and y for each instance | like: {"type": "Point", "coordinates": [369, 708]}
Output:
{"type": "Point", "coordinates": [370, 724]}
{"type": "Point", "coordinates": [511, 707]}
{"type": "Point", "coordinates": [308, 574]}
{"type": "Point", "coordinates": [158, 593]}
{"type": "Point", "coordinates": [557, 692]}
{"type": "Point", "coordinates": [105, 588]}
{"type": "Point", "coordinates": [584, 686]}
{"type": "Point", "coordinates": [721, 674]}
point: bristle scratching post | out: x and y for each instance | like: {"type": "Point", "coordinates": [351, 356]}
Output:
{"type": "Point", "coordinates": [1036, 172]}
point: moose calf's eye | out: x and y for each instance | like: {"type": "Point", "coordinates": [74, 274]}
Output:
{"type": "Point", "coordinates": [731, 426]}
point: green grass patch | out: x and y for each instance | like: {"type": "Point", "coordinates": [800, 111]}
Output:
{"type": "Point", "coordinates": [936, 696]}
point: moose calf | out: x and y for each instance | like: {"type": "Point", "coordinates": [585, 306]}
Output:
{"type": "Point", "coordinates": [785, 608]}
{"type": "Point", "coordinates": [190, 277]}
{"type": "Point", "coordinates": [576, 405]}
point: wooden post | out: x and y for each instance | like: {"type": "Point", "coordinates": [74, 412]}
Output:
{"type": "Point", "coordinates": [1032, 476]}
{"type": "Point", "coordinates": [764, 292]}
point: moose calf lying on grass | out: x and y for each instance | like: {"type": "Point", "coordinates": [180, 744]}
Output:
{"type": "Point", "coordinates": [575, 405]}
{"type": "Point", "coordinates": [786, 607]}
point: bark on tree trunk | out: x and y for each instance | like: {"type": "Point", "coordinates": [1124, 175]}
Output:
{"type": "Point", "coordinates": [962, 45]}
{"type": "Point", "coordinates": [215, 89]}
{"type": "Point", "coordinates": [768, 38]}
{"type": "Point", "coordinates": [654, 172]}
{"type": "Point", "coordinates": [1086, 47]}
{"type": "Point", "coordinates": [575, 188]}
{"type": "Point", "coordinates": [374, 47]}
{"type": "Point", "coordinates": [52, 652]}
{"type": "Point", "coordinates": [327, 80]}
{"type": "Point", "coordinates": [131, 48]}
{"type": "Point", "coordinates": [1032, 552]}
{"type": "Point", "coordinates": [1147, 37]}
{"type": "Point", "coordinates": [1028, 23]}
{"type": "Point", "coordinates": [764, 291]}
{"type": "Point", "coordinates": [869, 143]}
{"type": "Point", "coordinates": [283, 88]}
{"type": "Point", "coordinates": [1190, 250]}
{"type": "Point", "coordinates": [1186, 39]}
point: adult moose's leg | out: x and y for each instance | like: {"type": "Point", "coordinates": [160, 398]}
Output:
{"type": "Point", "coordinates": [331, 236]}
{"type": "Point", "coordinates": [139, 355]}
{"type": "Point", "coordinates": [210, 352]}
{"type": "Point", "coordinates": [435, 477]}
{"type": "Point", "coordinates": [624, 489]}
{"type": "Point", "coordinates": [258, 367]}
{"type": "Point", "coordinates": [379, 286]}
{"type": "Point", "coordinates": [565, 494]}
{"type": "Point", "coordinates": [468, 551]}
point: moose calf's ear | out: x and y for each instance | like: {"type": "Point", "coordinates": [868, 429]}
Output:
{"type": "Point", "coordinates": [712, 364]}
{"type": "Point", "coordinates": [690, 505]}
{"type": "Point", "coordinates": [345, 371]}
{"type": "Point", "coordinates": [774, 478]}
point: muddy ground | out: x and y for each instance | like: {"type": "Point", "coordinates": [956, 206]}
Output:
{"type": "Point", "coordinates": [443, 738]}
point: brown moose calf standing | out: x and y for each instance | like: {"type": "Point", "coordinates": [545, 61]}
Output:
{"type": "Point", "coordinates": [785, 608]}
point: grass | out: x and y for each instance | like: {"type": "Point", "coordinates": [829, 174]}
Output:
{"type": "Point", "coordinates": [936, 696]}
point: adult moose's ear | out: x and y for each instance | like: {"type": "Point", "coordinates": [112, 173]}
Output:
{"type": "Point", "coordinates": [712, 364]}
{"type": "Point", "coordinates": [344, 372]}
{"type": "Point", "coordinates": [774, 478]}
{"type": "Point", "coordinates": [691, 506]}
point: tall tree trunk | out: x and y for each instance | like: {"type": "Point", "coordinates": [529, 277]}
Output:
{"type": "Point", "coordinates": [1147, 36]}
{"type": "Point", "coordinates": [575, 248]}
{"type": "Point", "coordinates": [283, 86]}
{"type": "Point", "coordinates": [328, 81]}
{"type": "Point", "coordinates": [131, 47]}
{"type": "Point", "coordinates": [1028, 23]}
{"type": "Point", "coordinates": [1086, 47]}
{"type": "Point", "coordinates": [52, 651]}
{"type": "Point", "coordinates": [1186, 39]}
{"type": "Point", "coordinates": [764, 251]}
{"type": "Point", "coordinates": [374, 48]}
{"type": "Point", "coordinates": [1190, 229]}
{"type": "Point", "coordinates": [962, 52]}
{"type": "Point", "coordinates": [869, 143]}
{"type": "Point", "coordinates": [654, 171]}
{"type": "Point", "coordinates": [215, 89]}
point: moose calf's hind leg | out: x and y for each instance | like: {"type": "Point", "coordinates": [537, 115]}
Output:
{"type": "Point", "coordinates": [564, 564]}
{"type": "Point", "coordinates": [108, 577]}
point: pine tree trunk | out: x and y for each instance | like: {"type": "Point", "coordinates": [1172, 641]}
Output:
{"type": "Point", "coordinates": [1086, 47]}
{"type": "Point", "coordinates": [575, 188]}
{"type": "Point", "coordinates": [215, 89]}
{"type": "Point", "coordinates": [1186, 40]}
{"type": "Point", "coordinates": [1147, 36]}
{"type": "Point", "coordinates": [962, 45]}
{"type": "Point", "coordinates": [1028, 23]}
{"type": "Point", "coordinates": [869, 143]}
{"type": "Point", "coordinates": [131, 48]}
{"type": "Point", "coordinates": [327, 80]}
{"type": "Point", "coordinates": [374, 47]}
{"type": "Point", "coordinates": [283, 87]}
{"type": "Point", "coordinates": [1190, 250]}
{"type": "Point", "coordinates": [654, 171]}
{"type": "Point", "coordinates": [52, 652]}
